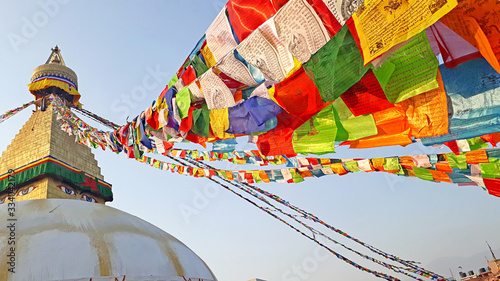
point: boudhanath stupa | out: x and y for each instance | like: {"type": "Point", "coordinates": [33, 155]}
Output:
{"type": "Point", "coordinates": [53, 196]}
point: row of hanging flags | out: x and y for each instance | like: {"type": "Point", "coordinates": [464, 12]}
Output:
{"type": "Point", "coordinates": [305, 76]}
{"type": "Point", "coordinates": [478, 166]}
{"type": "Point", "coordinates": [14, 111]}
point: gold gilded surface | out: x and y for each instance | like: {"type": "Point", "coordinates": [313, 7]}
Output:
{"type": "Point", "coordinates": [56, 70]}
{"type": "Point", "coordinates": [41, 136]}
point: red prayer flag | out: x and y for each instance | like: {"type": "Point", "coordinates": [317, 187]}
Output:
{"type": "Point", "coordinates": [189, 75]}
{"type": "Point", "coordinates": [246, 16]}
{"type": "Point", "coordinates": [453, 146]}
{"type": "Point", "coordinates": [366, 96]}
{"type": "Point", "coordinates": [454, 49]}
{"type": "Point", "coordinates": [492, 138]}
{"type": "Point", "coordinates": [329, 20]}
{"type": "Point", "coordinates": [299, 96]}
{"type": "Point", "coordinates": [493, 186]}
{"type": "Point", "coordinates": [187, 122]}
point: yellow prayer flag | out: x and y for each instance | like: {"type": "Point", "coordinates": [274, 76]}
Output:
{"type": "Point", "coordinates": [382, 24]}
{"type": "Point", "coordinates": [208, 56]}
{"type": "Point", "coordinates": [219, 123]}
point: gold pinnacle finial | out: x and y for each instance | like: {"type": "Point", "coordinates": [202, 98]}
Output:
{"type": "Point", "coordinates": [55, 66]}
{"type": "Point", "coordinates": [55, 57]}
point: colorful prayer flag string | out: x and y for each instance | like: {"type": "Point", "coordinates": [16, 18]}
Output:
{"type": "Point", "coordinates": [14, 111]}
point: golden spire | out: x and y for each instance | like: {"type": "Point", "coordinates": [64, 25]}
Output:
{"type": "Point", "coordinates": [55, 57]}
{"type": "Point", "coordinates": [55, 66]}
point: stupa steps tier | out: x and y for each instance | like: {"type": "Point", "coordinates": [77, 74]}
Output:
{"type": "Point", "coordinates": [41, 136]}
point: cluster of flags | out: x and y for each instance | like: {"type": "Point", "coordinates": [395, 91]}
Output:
{"type": "Point", "coordinates": [301, 77]}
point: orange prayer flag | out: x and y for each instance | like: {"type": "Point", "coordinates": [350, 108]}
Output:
{"type": "Point", "coordinates": [338, 168]}
{"type": "Point", "coordinates": [325, 161]}
{"type": "Point", "coordinates": [427, 113]}
{"type": "Point", "coordinates": [440, 176]}
{"type": "Point", "coordinates": [304, 172]}
{"type": "Point", "coordinates": [180, 170]}
{"type": "Point", "coordinates": [406, 161]}
{"type": "Point", "coordinates": [392, 127]}
{"type": "Point", "coordinates": [476, 157]}
{"type": "Point", "coordinates": [443, 167]}
{"type": "Point", "coordinates": [478, 24]}
{"type": "Point", "coordinates": [263, 175]}
{"type": "Point", "coordinates": [238, 95]}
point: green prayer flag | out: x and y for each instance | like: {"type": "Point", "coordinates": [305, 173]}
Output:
{"type": "Point", "coordinates": [296, 176]}
{"type": "Point", "coordinates": [186, 63]}
{"type": "Point", "coordinates": [384, 72]}
{"type": "Point", "coordinates": [337, 66]}
{"type": "Point", "coordinates": [494, 160]}
{"type": "Point", "coordinates": [352, 166]}
{"type": "Point", "coordinates": [221, 174]}
{"type": "Point", "coordinates": [423, 174]}
{"type": "Point", "coordinates": [183, 101]}
{"type": "Point", "coordinates": [391, 164]}
{"type": "Point", "coordinates": [137, 152]}
{"type": "Point", "coordinates": [316, 135]}
{"type": "Point", "coordinates": [173, 81]}
{"type": "Point", "coordinates": [352, 127]}
{"type": "Point", "coordinates": [490, 170]}
{"type": "Point", "coordinates": [475, 141]}
{"type": "Point", "coordinates": [199, 66]}
{"type": "Point", "coordinates": [478, 146]}
{"type": "Point", "coordinates": [402, 172]}
{"type": "Point", "coordinates": [457, 161]}
{"type": "Point", "coordinates": [256, 176]}
{"type": "Point", "coordinates": [412, 70]}
{"type": "Point", "coordinates": [201, 122]}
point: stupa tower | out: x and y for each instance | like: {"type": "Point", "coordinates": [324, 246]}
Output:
{"type": "Point", "coordinates": [48, 162]}
{"type": "Point", "coordinates": [49, 237]}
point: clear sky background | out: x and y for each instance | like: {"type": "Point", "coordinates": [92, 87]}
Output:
{"type": "Point", "coordinates": [114, 46]}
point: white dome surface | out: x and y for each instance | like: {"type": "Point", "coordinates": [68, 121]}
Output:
{"type": "Point", "coordinates": [58, 239]}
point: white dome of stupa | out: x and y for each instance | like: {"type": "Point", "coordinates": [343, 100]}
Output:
{"type": "Point", "coordinates": [58, 239]}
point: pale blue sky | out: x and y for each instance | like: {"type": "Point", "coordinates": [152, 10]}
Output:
{"type": "Point", "coordinates": [115, 45]}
